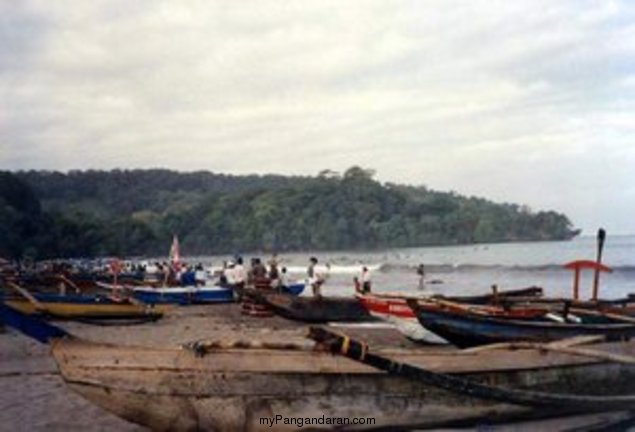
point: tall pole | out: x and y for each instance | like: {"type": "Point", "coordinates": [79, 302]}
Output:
{"type": "Point", "coordinates": [596, 276]}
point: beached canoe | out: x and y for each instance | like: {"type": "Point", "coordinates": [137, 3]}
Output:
{"type": "Point", "coordinates": [314, 309]}
{"type": "Point", "coordinates": [89, 307]}
{"type": "Point", "coordinates": [393, 303]}
{"type": "Point", "coordinates": [465, 328]}
{"type": "Point", "coordinates": [395, 310]}
{"type": "Point", "coordinates": [187, 295]}
{"type": "Point", "coordinates": [222, 387]}
{"type": "Point", "coordinates": [184, 295]}
{"type": "Point", "coordinates": [392, 307]}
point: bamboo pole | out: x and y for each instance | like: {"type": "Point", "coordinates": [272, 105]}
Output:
{"type": "Point", "coordinates": [27, 295]}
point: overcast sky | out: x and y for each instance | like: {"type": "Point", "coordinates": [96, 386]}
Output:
{"type": "Point", "coordinates": [529, 102]}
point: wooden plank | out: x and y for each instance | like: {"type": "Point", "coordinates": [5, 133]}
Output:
{"type": "Point", "coordinates": [577, 340]}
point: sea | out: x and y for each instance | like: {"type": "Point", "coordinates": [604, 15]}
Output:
{"type": "Point", "coordinates": [470, 269]}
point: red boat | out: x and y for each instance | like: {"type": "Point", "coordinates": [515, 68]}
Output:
{"type": "Point", "coordinates": [392, 307]}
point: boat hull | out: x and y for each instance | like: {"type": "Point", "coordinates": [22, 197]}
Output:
{"type": "Point", "coordinates": [184, 295]}
{"type": "Point", "coordinates": [89, 310]}
{"type": "Point", "coordinates": [294, 289]}
{"type": "Point", "coordinates": [235, 389]}
{"type": "Point", "coordinates": [396, 311]}
{"type": "Point", "coordinates": [315, 310]}
{"type": "Point", "coordinates": [468, 330]}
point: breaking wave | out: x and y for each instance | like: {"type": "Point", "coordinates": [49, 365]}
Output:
{"type": "Point", "coordinates": [453, 268]}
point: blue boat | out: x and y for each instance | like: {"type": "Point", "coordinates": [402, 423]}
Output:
{"type": "Point", "coordinates": [294, 289]}
{"type": "Point", "coordinates": [465, 329]}
{"type": "Point", "coordinates": [97, 308]}
{"type": "Point", "coordinates": [184, 295]}
{"type": "Point", "coordinates": [32, 326]}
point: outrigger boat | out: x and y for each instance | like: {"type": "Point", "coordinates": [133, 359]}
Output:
{"type": "Point", "coordinates": [248, 386]}
{"type": "Point", "coordinates": [392, 307]}
{"type": "Point", "coordinates": [86, 307]}
{"type": "Point", "coordinates": [465, 327]}
{"type": "Point", "coordinates": [184, 295]}
{"type": "Point", "coordinates": [187, 295]}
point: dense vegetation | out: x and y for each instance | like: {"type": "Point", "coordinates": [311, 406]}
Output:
{"type": "Point", "coordinates": [126, 213]}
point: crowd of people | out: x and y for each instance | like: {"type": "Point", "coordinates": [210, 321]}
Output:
{"type": "Point", "coordinates": [233, 273]}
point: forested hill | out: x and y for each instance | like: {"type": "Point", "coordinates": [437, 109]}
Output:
{"type": "Point", "coordinates": [97, 213]}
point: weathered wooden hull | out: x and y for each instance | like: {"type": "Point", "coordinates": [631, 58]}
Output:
{"type": "Point", "coordinates": [467, 330]}
{"type": "Point", "coordinates": [233, 389]}
{"type": "Point", "coordinates": [315, 310]}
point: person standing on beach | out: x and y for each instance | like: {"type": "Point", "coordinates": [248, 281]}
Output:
{"type": "Point", "coordinates": [284, 278]}
{"type": "Point", "coordinates": [422, 273]}
{"type": "Point", "coordinates": [364, 280]}
{"type": "Point", "coordinates": [313, 279]}
{"type": "Point", "coordinates": [274, 274]}
{"type": "Point", "coordinates": [240, 275]}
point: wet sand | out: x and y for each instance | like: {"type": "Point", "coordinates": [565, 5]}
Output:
{"type": "Point", "coordinates": [33, 396]}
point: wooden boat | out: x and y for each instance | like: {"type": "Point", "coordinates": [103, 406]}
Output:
{"type": "Point", "coordinates": [465, 328]}
{"type": "Point", "coordinates": [395, 310]}
{"type": "Point", "coordinates": [176, 295]}
{"type": "Point", "coordinates": [314, 309]}
{"type": "Point", "coordinates": [395, 303]}
{"type": "Point", "coordinates": [392, 307]}
{"type": "Point", "coordinates": [80, 306]}
{"type": "Point", "coordinates": [496, 296]}
{"type": "Point", "coordinates": [86, 307]}
{"type": "Point", "coordinates": [231, 388]}
{"type": "Point", "coordinates": [254, 386]}
{"type": "Point", "coordinates": [184, 295]}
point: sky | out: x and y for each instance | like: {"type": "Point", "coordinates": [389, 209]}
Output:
{"type": "Point", "coordinates": [530, 102]}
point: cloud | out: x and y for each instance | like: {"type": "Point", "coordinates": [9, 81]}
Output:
{"type": "Point", "coordinates": [519, 101]}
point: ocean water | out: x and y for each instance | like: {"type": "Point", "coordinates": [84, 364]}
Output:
{"type": "Point", "coordinates": [473, 269]}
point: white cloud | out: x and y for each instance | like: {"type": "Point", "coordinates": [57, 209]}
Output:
{"type": "Point", "coordinates": [524, 101]}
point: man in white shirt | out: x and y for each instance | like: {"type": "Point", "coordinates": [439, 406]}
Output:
{"type": "Point", "coordinates": [240, 274]}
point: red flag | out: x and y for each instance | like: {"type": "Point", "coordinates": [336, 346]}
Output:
{"type": "Point", "coordinates": [175, 255]}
